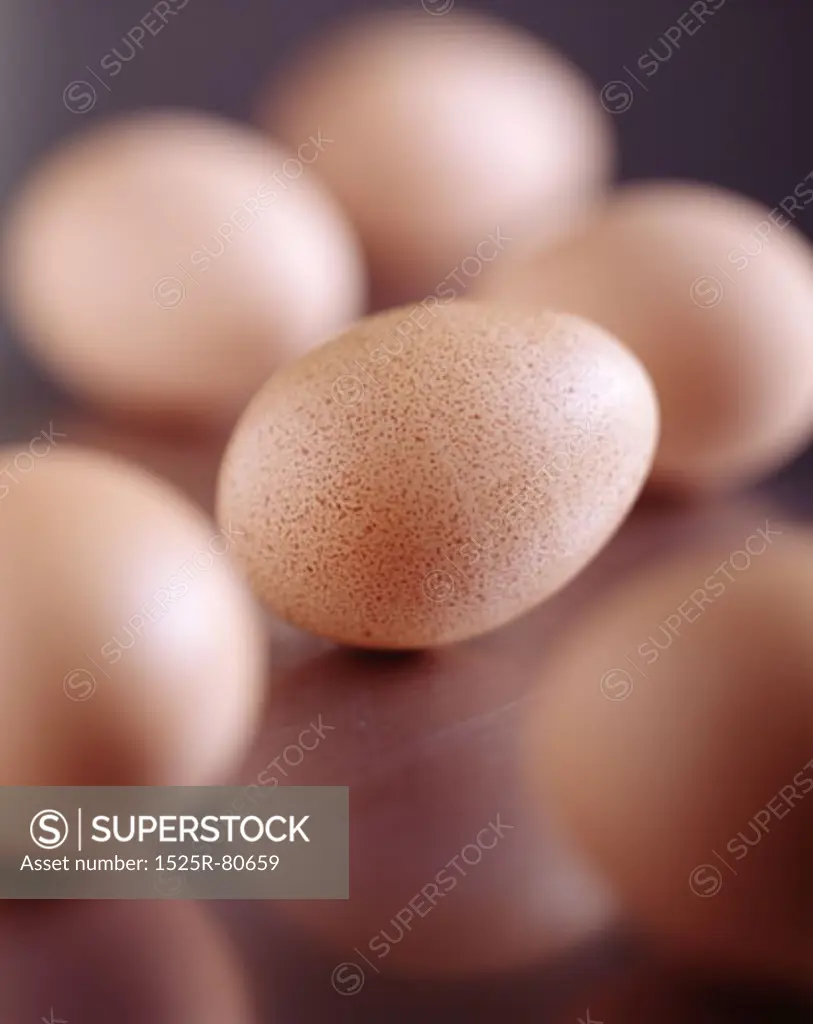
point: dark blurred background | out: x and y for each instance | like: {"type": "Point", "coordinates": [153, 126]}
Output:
{"type": "Point", "coordinates": [726, 104]}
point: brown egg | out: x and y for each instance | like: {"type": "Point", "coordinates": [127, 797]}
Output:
{"type": "Point", "coordinates": [132, 653]}
{"type": "Point", "coordinates": [429, 746]}
{"type": "Point", "coordinates": [432, 474]}
{"type": "Point", "coordinates": [674, 740]}
{"type": "Point", "coordinates": [449, 138]}
{"type": "Point", "coordinates": [165, 264]}
{"type": "Point", "coordinates": [716, 299]}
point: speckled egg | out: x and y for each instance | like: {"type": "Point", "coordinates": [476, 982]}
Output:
{"type": "Point", "coordinates": [436, 471]}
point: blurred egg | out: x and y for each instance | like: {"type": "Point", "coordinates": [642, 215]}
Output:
{"type": "Point", "coordinates": [673, 739]}
{"type": "Point", "coordinates": [128, 961]}
{"type": "Point", "coordinates": [132, 653]}
{"type": "Point", "coordinates": [165, 264]}
{"type": "Point", "coordinates": [430, 475]}
{"type": "Point", "coordinates": [714, 293]}
{"type": "Point", "coordinates": [448, 138]}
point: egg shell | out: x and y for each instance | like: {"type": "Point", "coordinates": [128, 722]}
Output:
{"type": "Point", "coordinates": [435, 472]}
{"type": "Point", "coordinates": [673, 737]}
{"type": "Point", "coordinates": [133, 654]}
{"type": "Point", "coordinates": [714, 293]}
{"type": "Point", "coordinates": [165, 263]}
{"type": "Point", "coordinates": [444, 130]}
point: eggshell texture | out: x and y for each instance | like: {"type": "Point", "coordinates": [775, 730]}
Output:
{"type": "Point", "coordinates": [132, 652]}
{"type": "Point", "coordinates": [433, 473]}
{"type": "Point", "coordinates": [716, 299]}
{"type": "Point", "coordinates": [673, 739]}
{"type": "Point", "coordinates": [443, 130]}
{"type": "Point", "coordinates": [166, 263]}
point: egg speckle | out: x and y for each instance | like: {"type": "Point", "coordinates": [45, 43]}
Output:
{"type": "Point", "coordinates": [431, 474]}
